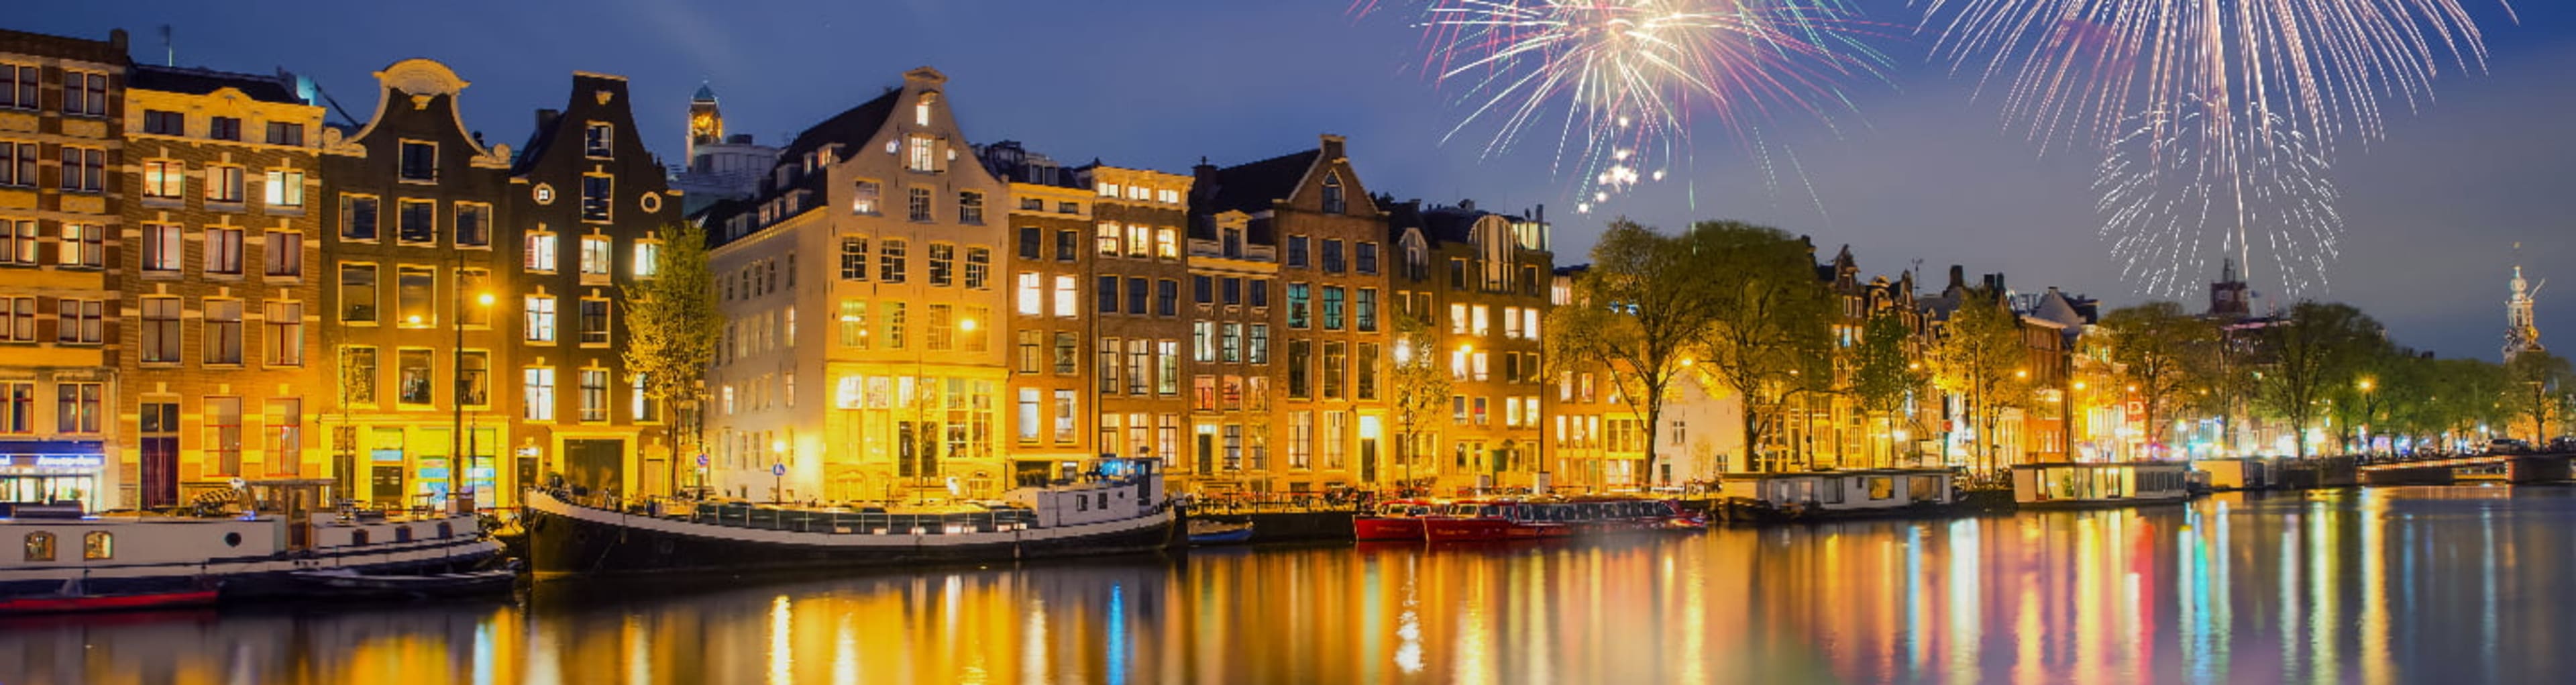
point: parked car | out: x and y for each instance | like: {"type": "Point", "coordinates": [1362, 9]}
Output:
{"type": "Point", "coordinates": [2562, 445]}
{"type": "Point", "coordinates": [2507, 446]}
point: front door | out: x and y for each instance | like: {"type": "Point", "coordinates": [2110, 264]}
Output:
{"type": "Point", "coordinates": [1207, 454]}
{"type": "Point", "coordinates": [387, 485]}
{"type": "Point", "coordinates": [1368, 460]}
{"type": "Point", "coordinates": [160, 459]}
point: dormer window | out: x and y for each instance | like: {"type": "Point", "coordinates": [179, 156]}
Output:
{"type": "Point", "coordinates": [1333, 203]}
{"type": "Point", "coordinates": [597, 140]}
{"type": "Point", "coordinates": [921, 109]}
{"type": "Point", "coordinates": [922, 157]}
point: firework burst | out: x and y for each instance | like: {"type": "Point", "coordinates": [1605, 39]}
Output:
{"type": "Point", "coordinates": [1616, 83]}
{"type": "Point", "coordinates": [2173, 196]}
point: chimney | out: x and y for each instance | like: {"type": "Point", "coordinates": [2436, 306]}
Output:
{"type": "Point", "coordinates": [546, 118]}
{"type": "Point", "coordinates": [1332, 147]}
{"type": "Point", "coordinates": [1958, 277]}
{"type": "Point", "coordinates": [1468, 204]}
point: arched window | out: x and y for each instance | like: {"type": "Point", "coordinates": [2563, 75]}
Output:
{"type": "Point", "coordinates": [40, 546]}
{"type": "Point", "coordinates": [98, 545]}
{"type": "Point", "coordinates": [1333, 203]}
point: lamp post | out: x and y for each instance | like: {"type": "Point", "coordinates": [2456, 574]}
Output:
{"type": "Point", "coordinates": [2369, 411]}
{"type": "Point", "coordinates": [456, 433]}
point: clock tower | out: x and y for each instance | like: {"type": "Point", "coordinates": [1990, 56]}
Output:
{"type": "Point", "coordinates": [706, 123]}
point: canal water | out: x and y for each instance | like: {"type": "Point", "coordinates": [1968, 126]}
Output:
{"type": "Point", "coordinates": [2452, 584]}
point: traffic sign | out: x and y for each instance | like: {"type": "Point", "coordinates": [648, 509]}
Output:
{"type": "Point", "coordinates": [777, 469]}
{"type": "Point", "coordinates": [702, 460]}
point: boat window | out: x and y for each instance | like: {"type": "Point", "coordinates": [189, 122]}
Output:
{"type": "Point", "coordinates": [98, 544]}
{"type": "Point", "coordinates": [232, 539]}
{"type": "Point", "coordinates": [1081, 503]}
{"type": "Point", "coordinates": [40, 546]}
{"type": "Point", "coordinates": [1880, 487]}
{"type": "Point", "coordinates": [1922, 488]}
{"type": "Point", "coordinates": [1833, 488]}
{"type": "Point", "coordinates": [402, 534]}
{"type": "Point", "coordinates": [358, 537]}
{"type": "Point", "coordinates": [445, 530]}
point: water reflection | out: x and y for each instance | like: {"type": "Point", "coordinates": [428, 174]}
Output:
{"type": "Point", "coordinates": [2371, 586]}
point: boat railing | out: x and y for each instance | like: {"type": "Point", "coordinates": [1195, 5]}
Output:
{"type": "Point", "coordinates": [810, 520]}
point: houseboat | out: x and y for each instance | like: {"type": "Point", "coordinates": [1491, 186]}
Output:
{"type": "Point", "coordinates": [250, 542]}
{"type": "Point", "coordinates": [2113, 484]}
{"type": "Point", "coordinates": [2240, 473]}
{"type": "Point", "coordinates": [1118, 505]}
{"type": "Point", "coordinates": [1820, 495]}
{"type": "Point", "coordinates": [1491, 520]}
{"type": "Point", "coordinates": [1394, 520]}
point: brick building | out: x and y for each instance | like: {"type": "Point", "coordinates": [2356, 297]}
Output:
{"type": "Point", "coordinates": [1481, 281]}
{"type": "Point", "coordinates": [1140, 319]}
{"type": "Point", "coordinates": [1050, 327]}
{"type": "Point", "coordinates": [62, 109]}
{"type": "Point", "coordinates": [222, 368]}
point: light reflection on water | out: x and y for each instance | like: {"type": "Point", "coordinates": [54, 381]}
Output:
{"type": "Point", "coordinates": [2463, 584]}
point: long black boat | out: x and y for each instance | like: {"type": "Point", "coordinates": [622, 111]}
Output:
{"type": "Point", "coordinates": [1118, 507]}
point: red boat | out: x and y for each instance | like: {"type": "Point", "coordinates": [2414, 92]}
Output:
{"type": "Point", "coordinates": [1511, 519]}
{"type": "Point", "coordinates": [71, 600]}
{"type": "Point", "coordinates": [1395, 520]}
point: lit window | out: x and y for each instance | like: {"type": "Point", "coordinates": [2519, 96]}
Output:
{"type": "Point", "coordinates": [541, 252]}
{"type": "Point", "coordinates": [597, 140]}
{"type": "Point", "coordinates": [863, 197]}
{"type": "Point", "coordinates": [540, 318]}
{"type": "Point", "coordinates": [223, 184]}
{"type": "Point", "coordinates": [164, 179]}
{"type": "Point", "coordinates": [540, 397]}
{"type": "Point", "coordinates": [648, 257]}
{"type": "Point", "coordinates": [595, 256]}
{"type": "Point", "coordinates": [597, 194]}
{"type": "Point", "coordinates": [921, 156]}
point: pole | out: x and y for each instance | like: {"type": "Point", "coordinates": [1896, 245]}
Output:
{"type": "Point", "coordinates": [456, 398]}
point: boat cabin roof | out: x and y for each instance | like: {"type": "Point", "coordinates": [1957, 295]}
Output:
{"type": "Point", "coordinates": [2091, 464]}
{"type": "Point", "coordinates": [1833, 474]}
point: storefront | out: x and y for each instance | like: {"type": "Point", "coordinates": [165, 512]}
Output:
{"type": "Point", "coordinates": [53, 470]}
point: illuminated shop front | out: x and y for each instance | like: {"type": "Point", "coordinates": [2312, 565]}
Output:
{"type": "Point", "coordinates": [51, 471]}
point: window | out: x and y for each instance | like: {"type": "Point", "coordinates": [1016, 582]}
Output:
{"type": "Point", "coordinates": [224, 128]}
{"type": "Point", "coordinates": [940, 331]}
{"type": "Point", "coordinates": [1333, 256]}
{"type": "Point", "coordinates": [1064, 353]}
{"type": "Point", "coordinates": [894, 325]}
{"type": "Point", "coordinates": [541, 257]}
{"type": "Point", "coordinates": [596, 255]}
{"type": "Point", "coordinates": [413, 306]}
{"type": "Point", "coordinates": [920, 155]}
{"type": "Point", "coordinates": [1140, 354]}
{"type": "Point", "coordinates": [943, 260]}
{"type": "Point", "coordinates": [540, 318]}
{"type": "Point", "coordinates": [597, 140]}
{"type": "Point", "coordinates": [282, 436]}
{"type": "Point", "coordinates": [1027, 418]}
{"type": "Point", "coordinates": [1230, 343]}
{"type": "Point", "coordinates": [854, 324]}
{"type": "Point", "coordinates": [1064, 412]}
{"type": "Point", "coordinates": [1296, 258]}
{"type": "Point", "coordinates": [1029, 299]}
{"type": "Point", "coordinates": [1260, 293]}
{"type": "Point", "coordinates": [17, 161]}
{"type": "Point", "coordinates": [1167, 367]}
{"type": "Point", "coordinates": [864, 196]}
{"type": "Point", "coordinates": [223, 426]}
{"type": "Point", "coordinates": [419, 161]}
{"type": "Point", "coordinates": [594, 321]}
{"type": "Point", "coordinates": [540, 394]}
{"type": "Point", "coordinates": [1029, 238]}
{"type": "Point", "coordinates": [224, 250]}
{"type": "Point", "coordinates": [645, 409]}
{"type": "Point", "coordinates": [98, 545]}
{"type": "Point", "coordinates": [284, 133]}
{"type": "Point", "coordinates": [21, 413]}
{"type": "Point", "coordinates": [1333, 307]}
{"type": "Point", "coordinates": [854, 259]}
{"type": "Point", "coordinates": [18, 240]}
{"type": "Point", "coordinates": [1167, 297]}
{"type": "Point", "coordinates": [358, 217]}
{"type": "Point", "coordinates": [40, 545]}
{"type": "Point", "coordinates": [156, 122]}
{"type": "Point", "coordinates": [223, 331]}
{"type": "Point", "coordinates": [598, 195]}
{"type": "Point", "coordinates": [20, 313]}
{"type": "Point", "coordinates": [18, 91]}
{"type": "Point", "coordinates": [1232, 291]}
{"type": "Point", "coordinates": [84, 93]}
{"type": "Point", "coordinates": [284, 338]}
{"type": "Point", "coordinates": [1108, 189]}
{"type": "Point", "coordinates": [1257, 344]}
{"type": "Point", "coordinates": [594, 394]}
{"type": "Point", "coordinates": [85, 245]}
{"type": "Point", "coordinates": [1333, 201]}
{"type": "Point", "coordinates": [1367, 257]}
{"type": "Point", "coordinates": [1366, 365]}
{"type": "Point", "coordinates": [1107, 366]}
{"type": "Point", "coordinates": [1030, 346]}
{"type": "Point", "coordinates": [80, 322]}
{"type": "Point", "coordinates": [1300, 368]}
{"type": "Point", "coordinates": [1336, 428]}
{"type": "Point", "coordinates": [1365, 309]}
{"type": "Point", "coordinates": [1299, 310]}
{"type": "Point", "coordinates": [1067, 296]}
{"type": "Point", "coordinates": [1140, 241]}
{"type": "Point", "coordinates": [890, 261]}
{"type": "Point", "coordinates": [164, 179]}
{"type": "Point", "coordinates": [473, 224]}
{"type": "Point", "coordinates": [160, 330]}
{"type": "Point", "coordinates": [1107, 290]}
{"type": "Point", "coordinates": [979, 266]}
{"type": "Point", "coordinates": [970, 207]}
{"type": "Point", "coordinates": [1202, 341]}
{"type": "Point", "coordinates": [1066, 241]}
{"type": "Point", "coordinates": [162, 247]}
{"type": "Point", "coordinates": [1336, 368]}
{"type": "Point", "coordinates": [358, 374]}
{"type": "Point", "coordinates": [84, 169]}
{"type": "Point", "coordinates": [416, 221]}
{"type": "Point", "coordinates": [1138, 290]}
{"type": "Point", "coordinates": [1301, 439]}
{"type": "Point", "coordinates": [285, 189]}
{"type": "Point", "coordinates": [1167, 243]}
{"type": "Point", "coordinates": [76, 407]}
{"type": "Point", "coordinates": [412, 376]}
{"type": "Point", "coordinates": [917, 204]}
{"type": "Point", "coordinates": [1202, 289]}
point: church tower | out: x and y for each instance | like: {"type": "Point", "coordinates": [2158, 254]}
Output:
{"type": "Point", "coordinates": [2227, 297]}
{"type": "Point", "coordinates": [2521, 332]}
{"type": "Point", "coordinates": [706, 124]}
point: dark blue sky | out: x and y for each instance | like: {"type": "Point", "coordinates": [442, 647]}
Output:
{"type": "Point", "coordinates": [1930, 174]}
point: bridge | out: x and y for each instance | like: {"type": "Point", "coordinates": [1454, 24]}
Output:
{"type": "Point", "coordinates": [2443, 470]}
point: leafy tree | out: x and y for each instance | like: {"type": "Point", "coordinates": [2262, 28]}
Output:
{"type": "Point", "coordinates": [1980, 357]}
{"type": "Point", "coordinates": [1884, 371]}
{"type": "Point", "coordinates": [1767, 336]}
{"type": "Point", "coordinates": [2160, 354]}
{"type": "Point", "coordinates": [673, 328]}
{"type": "Point", "coordinates": [1634, 314]}
{"type": "Point", "coordinates": [2313, 353]}
{"type": "Point", "coordinates": [1421, 389]}
{"type": "Point", "coordinates": [2536, 385]}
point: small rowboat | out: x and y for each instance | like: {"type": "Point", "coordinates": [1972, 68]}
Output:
{"type": "Point", "coordinates": [347, 584]}
{"type": "Point", "coordinates": [1205, 532]}
{"type": "Point", "coordinates": [72, 599]}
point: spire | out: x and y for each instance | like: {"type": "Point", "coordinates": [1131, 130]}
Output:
{"type": "Point", "coordinates": [706, 93]}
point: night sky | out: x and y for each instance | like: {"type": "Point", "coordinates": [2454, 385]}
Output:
{"type": "Point", "coordinates": [1928, 173]}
